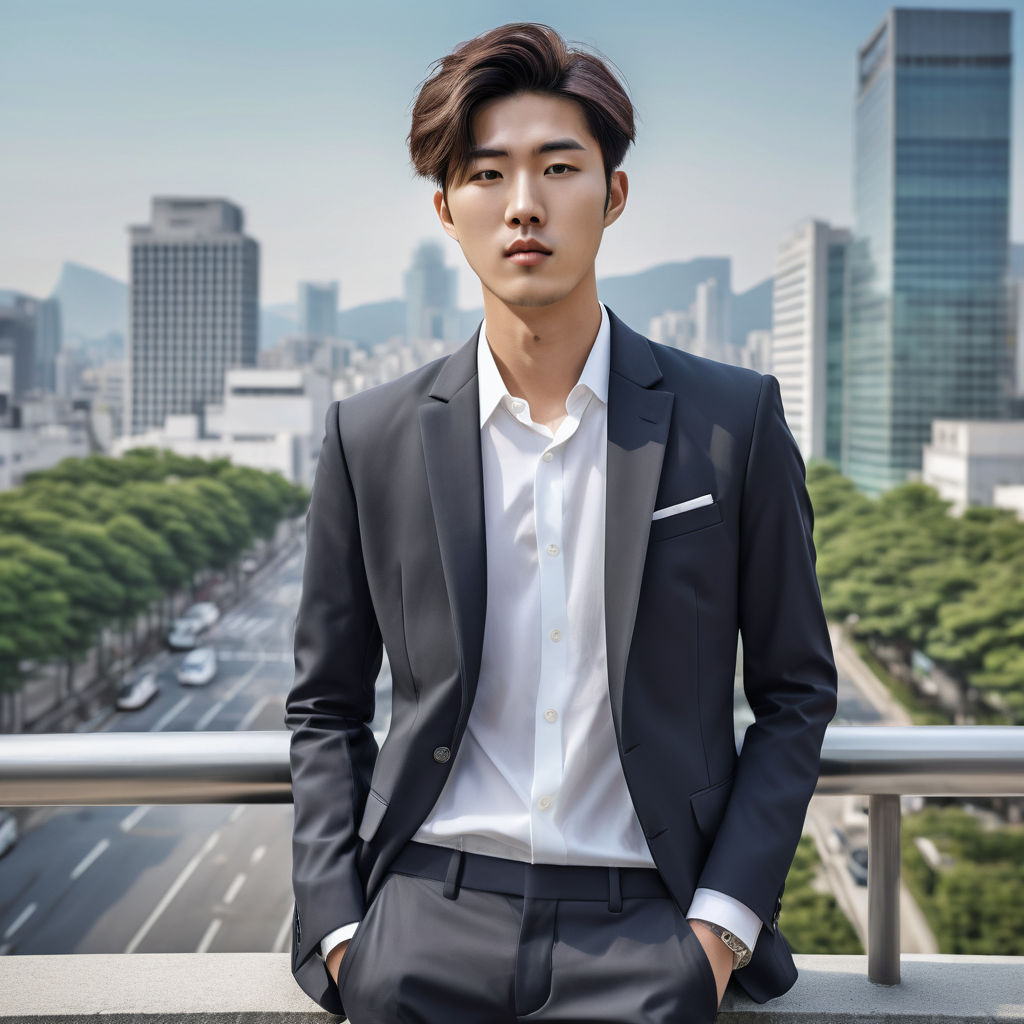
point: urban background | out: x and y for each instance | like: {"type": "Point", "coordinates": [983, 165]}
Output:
{"type": "Point", "coordinates": [209, 231]}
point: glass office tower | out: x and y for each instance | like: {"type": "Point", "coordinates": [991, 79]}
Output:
{"type": "Point", "coordinates": [926, 318]}
{"type": "Point", "coordinates": [834, 332]}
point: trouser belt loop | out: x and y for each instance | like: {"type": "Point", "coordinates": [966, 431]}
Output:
{"type": "Point", "coordinates": [614, 891]}
{"type": "Point", "coordinates": [454, 875]}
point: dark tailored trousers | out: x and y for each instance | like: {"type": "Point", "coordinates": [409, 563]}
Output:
{"type": "Point", "coordinates": [434, 949]}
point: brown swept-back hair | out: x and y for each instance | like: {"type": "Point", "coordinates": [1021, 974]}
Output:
{"type": "Point", "coordinates": [518, 57]}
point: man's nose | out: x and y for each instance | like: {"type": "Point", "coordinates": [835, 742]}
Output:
{"type": "Point", "coordinates": [524, 204]}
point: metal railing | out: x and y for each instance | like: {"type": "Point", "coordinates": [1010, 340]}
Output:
{"type": "Point", "coordinates": [881, 762]}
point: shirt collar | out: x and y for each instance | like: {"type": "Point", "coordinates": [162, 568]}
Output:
{"type": "Point", "coordinates": [594, 375]}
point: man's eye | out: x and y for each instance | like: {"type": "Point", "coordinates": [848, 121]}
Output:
{"type": "Point", "coordinates": [478, 173]}
{"type": "Point", "coordinates": [560, 168]}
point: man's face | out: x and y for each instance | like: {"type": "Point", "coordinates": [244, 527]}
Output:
{"type": "Point", "coordinates": [535, 175]}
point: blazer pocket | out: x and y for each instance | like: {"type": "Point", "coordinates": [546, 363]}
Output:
{"type": "Point", "coordinates": [686, 522]}
{"type": "Point", "coordinates": [709, 806]}
{"type": "Point", "coordinates": [373, 814]}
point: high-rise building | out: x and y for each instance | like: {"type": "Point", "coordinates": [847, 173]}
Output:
{"type": "Point", "coordinates": [19, 333]}
{"type": "Point", "coordinates": [193, 307]}
{"type": "Point", "coordinates": [48, 343]}
{"type": "Point", "coordinates": [927, 327]}
{"type": "Point", "coordinates": [318, 310]}
{"type": "Point", "coordinates": [431, 312]}
{"type": "Point", "coordinates": [710, 318]}
{"type": "Point", "coordinates": [756, 352]}
{"type": "Point", "coordinates": [673, 328]}
{"type": "Point", "coordinates": [807, 339]}
{"type": "Point", "coordinates": [1017, 305]}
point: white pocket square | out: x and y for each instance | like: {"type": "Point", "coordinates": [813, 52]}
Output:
{"type": "Point", "coordinates": [683, 506]}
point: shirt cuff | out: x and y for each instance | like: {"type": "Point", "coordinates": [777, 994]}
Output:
{"type": "Point", "coordinates": [727, 913]}
{"type": "Point", "coordinates": [331, 939]}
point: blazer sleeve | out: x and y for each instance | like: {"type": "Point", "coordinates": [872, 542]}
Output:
{"type": "Point", "coordinates": [330, 705]}
{"type": "Point", "coordinates": [789, 674]}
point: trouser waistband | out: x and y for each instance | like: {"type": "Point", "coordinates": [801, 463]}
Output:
{"type": "Point", "coordinates": [516, 878]}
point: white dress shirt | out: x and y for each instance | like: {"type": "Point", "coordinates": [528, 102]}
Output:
{"type": "Point", "coordinates": [537, 776]}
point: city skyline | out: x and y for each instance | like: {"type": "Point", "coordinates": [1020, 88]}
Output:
{"type": "Point", "coordinates": [117, 104]}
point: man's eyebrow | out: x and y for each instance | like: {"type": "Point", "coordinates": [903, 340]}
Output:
{"type": "Point", "coordinates": [553, 146]}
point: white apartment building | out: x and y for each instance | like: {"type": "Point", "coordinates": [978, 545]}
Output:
{"type": "Point", "coordinates": [1009, 496]}
{"type": "Point", "coordinates": [968, 459]}
{"type": "Point", "coordinates": [802, 342]}
{"type": "Point", "coordinates": [269, 419]}
{"type": "Point", "coordinates": [36, 433]}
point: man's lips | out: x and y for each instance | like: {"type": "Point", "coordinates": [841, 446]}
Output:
{"type": "Point", "coordinates": [523, 245]}
{"type": "Point", "coordinates": [527, 257]}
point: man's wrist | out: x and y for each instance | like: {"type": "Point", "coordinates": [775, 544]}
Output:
{"type": "Point", "coordinates": [337, 936]}
{"type": "Point", "coordinates": [741, 953]}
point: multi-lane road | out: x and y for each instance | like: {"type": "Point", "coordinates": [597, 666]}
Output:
{"type": "Point", "coordinates": [185, 878]}
{"type": "Point", "coordinates": [168, 878]}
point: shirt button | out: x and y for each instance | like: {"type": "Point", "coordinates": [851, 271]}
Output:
{"type": "Point", "coordinates": [552, 550]}
{"type": "Point", "coordinates": [544, 803]}
{"type": "Point", "coordinates": [551, 715]}
{"type": "Point", "coordinates": [548, 456]}
{"type": "Point", "coordinates": [517, 407]}
{"type": "Point", "coordinates": [556, 635]}
{"type": "Point", "coordinates": [442, 754]}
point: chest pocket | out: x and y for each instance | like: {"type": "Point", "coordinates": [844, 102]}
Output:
{"type": "Point", "coordinates": [686, 522]}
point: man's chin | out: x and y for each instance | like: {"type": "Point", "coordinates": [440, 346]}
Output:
{"type": "Point", "coordinates": [528, 298]}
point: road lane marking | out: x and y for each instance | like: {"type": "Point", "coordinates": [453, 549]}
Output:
{"type": "Point", "coordinates": [251, 714]}
{"type": "Point", "coordinates": [207, 939]}
{"type": "Point", "coordinates": [229, 654]}
{"type": "Point", "coordinates": [238, 811]}
{"type": "Point", "coordinates": [173, 891]}
{"type": "Point", "coordinates": [173, 713]}
{"type": "Point", "coordinates": [241, 684]}
{"type": "Point", "coordinates": [128, 823]}
{"type": "Point", "coordinates": [257, 855]}
{"type": "Point", "coordinates": [209, 714]}
{"type": "Point", "coordinates": [229, 896]}
{"type": "Point", "coordinates": [85, 863]}
{"type": "Point", "coordinates": [20, 920]}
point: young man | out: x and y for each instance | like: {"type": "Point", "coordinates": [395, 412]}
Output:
{"type": "Point", "coordinates": [557, 533]}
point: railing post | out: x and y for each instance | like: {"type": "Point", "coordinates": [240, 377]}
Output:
{"type": "Point", "coordinates": [884, 889]}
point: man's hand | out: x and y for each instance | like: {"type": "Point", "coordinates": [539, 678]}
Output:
{"type": "Point", "coordinates": [335, 955]}
{"type": "Point", "coordinates": [718, 953]}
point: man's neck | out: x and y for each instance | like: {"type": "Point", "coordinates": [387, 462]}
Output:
{"type": "Point", "coordinates": [540, 351]}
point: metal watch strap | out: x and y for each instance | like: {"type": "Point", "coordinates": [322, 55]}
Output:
{"type": "Point", "coordinates": [740, 953]}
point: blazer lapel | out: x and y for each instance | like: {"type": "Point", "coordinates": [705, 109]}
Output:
{"type": "Point", "coordinates": [638, 422]}
{"type": "Point", "coordinates": [450, 431]}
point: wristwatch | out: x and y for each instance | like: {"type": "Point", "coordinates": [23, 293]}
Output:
{"type": "Point", "coordinates": [740, 953]}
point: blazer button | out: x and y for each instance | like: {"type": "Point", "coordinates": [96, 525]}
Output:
{"type": "Point", "coordinates": [442, 754]}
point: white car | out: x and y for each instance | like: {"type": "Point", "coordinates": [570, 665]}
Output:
{"type": "Point", "coordinates": [8, 831]}
{"type": "Point", "coordinates": [137, 693]}
{"type": "Point", "coordinates": [198, 667]}
{"type": "Point", "coordinates": [183, 635]}
{"type": "Point", "coordinates": [204, 614]}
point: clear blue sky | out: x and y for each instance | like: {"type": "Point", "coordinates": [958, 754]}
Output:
{"type": "Point", "coordinates": [299, 110]}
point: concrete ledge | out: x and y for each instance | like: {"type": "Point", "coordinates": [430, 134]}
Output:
{"type": "Point", "coordinates": [257, 988]}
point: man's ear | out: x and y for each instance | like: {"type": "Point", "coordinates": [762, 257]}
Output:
{"type": "Point", "coordinates": [618, 189]}
{"type": "Point", "coordinates": [444, 214]}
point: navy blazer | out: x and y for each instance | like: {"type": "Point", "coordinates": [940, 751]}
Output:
{"type": "Point", "coordinates": [396, 556]}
